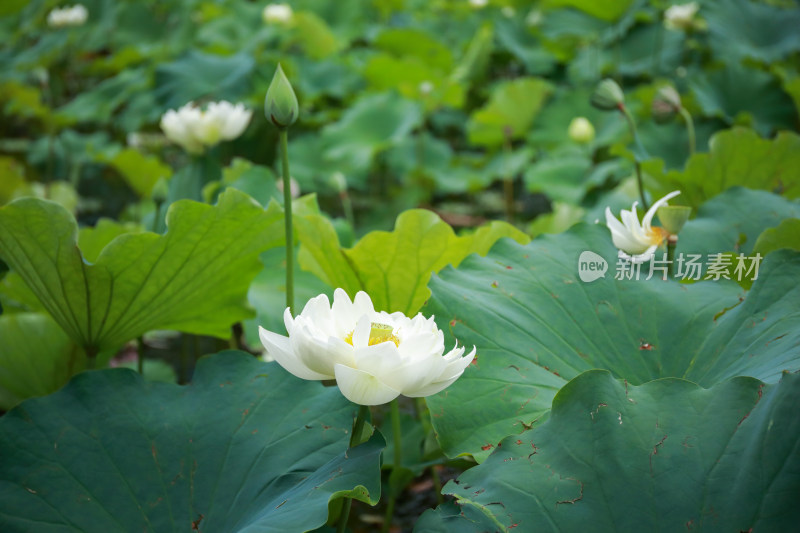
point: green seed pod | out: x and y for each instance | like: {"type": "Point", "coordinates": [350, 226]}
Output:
{"type": "Point", "coordinates": [666, 104]}
{"type": "Point", "coordinates": [608, 95]}
{"type": "Point", "coordinates": [673, 217]}
{"type": "Point", "coordinates": [280, 105]}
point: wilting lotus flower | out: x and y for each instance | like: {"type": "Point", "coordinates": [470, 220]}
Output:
{"type": "Point", "coordinates": [195, 130]}
{"type": "Point", "coordinates": [67, 16]}
{"type": "Point", "coordinates": [373, 356]}
{"type": "Point", "coordinates": [637, 242]}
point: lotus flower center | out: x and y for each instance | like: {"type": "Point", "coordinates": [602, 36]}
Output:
{"type": "Point", "coordinates": [378, 333]}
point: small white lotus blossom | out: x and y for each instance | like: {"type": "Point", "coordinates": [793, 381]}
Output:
{"type": "Point", "coordinates": [374, 356]}
{"type": "Point", "coordinates": [581, 130]}
{"type": "Point", "coordinates": [67, 16]}
{"type": "Point", "coordinates": [277, 13]}
{"type": "Point", "coordinates": [425, 87]}
{"type": "Point", "coordinates": [680, 17]}
{"type": "Point", "coordinates": [195, 129]}
{"type": "Point", "coordinates": [477, 4]}
{"type": "Point", "coordinates": [534, 18]}
{"type": "Point", "coordinates": [637, 241]}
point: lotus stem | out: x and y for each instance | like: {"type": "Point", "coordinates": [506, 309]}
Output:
{"type": "Point", "coordinates": [355, 440]}
{"type": "Point", "coordinates": [398, 460]}
{"type": "Point", "coordinates": [687, 117]}
{"type": "Point", "coordinates": [672, 243]}
{"type": "Point", "coordinates": [91, 357]}
{"type": "Point", "coordinates": [508, 179]}
{"type": "Point", "coordinates": [637, 164]}
{"type": "Point", "coordinates": [287, 213]}
{"type": "Point", "coordinates": [140, 355]}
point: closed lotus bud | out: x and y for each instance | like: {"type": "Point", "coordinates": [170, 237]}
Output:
{"type": "Point", "coordinates": [280, 105]}
{"type": "Point", "coordinates": [608, 95]}
{"type": "Point", "coordinates": [160, 191]}
{"type": "Point", "coordinates": [673, 217]}
{"type": "Point", "coordinates": [666, 104]}
{"type": "Point", "coordinates": [339, 181]}
{"type": "Point", "coordinates": [581, 130]}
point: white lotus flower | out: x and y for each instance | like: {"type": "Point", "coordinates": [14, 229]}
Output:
{"type": "Point", "coordinates": [277, 13]}
{"type": "Point", "coordinates": [477, 4]}
{"type": "Point", "coordinates": [637, 242]}
{"type": "Point", "coordinates": [680, 17]}
{"type": "Point", "coordinates": [373, 356]}
{"type": "Point", "coordinates": [195, 130]}
{"type": "Point", "coordinates": [67, 16]}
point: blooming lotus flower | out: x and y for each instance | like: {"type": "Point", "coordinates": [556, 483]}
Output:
{"type": "Point", "coordinates": [680, 17]}
{"type": "Point", "coordinates": [277, 13]}
{"type": "Point", "coordinates": [637, 242]}
{"type": "Point", "coordinates": [373, 356]}
{"type": "Point", "coordinates": [67, 16]}
{"type": "Point", "coordinates": [195, 129]}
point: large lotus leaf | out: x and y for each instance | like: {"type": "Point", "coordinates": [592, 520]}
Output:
{"type": "Point", "coordinates": [561, 175]}
{"type": "Point", "coordinates": [644, 50]}
{"type": "Point", "coordinates": [140, 171]}
{"type": "Point", "coordinates": [100, 103]}
{"type": "Point", "coordinates": [739, 94]}
{"type": "Point", "coordinates": [36, 357]}
{"type": "Point", "coordinates": [313, 35]}
{"type": "Point", "coordinates": [515, 36]}
{"type": "Point", "coordinates": [393, 268]}
{"type": "Point", "coordinates": [415, 43]}
{"type": "Point", "coordinates": [199, 75]}
{"type": "Point", "coordinates": [194, 278]}
{"type": "Point", "coordinates": [737, 157]}
{"type": "Point", "coordinates": [536, 325]}
{"type": "Point", "coordinates": [510, 112]}
{"type": "Point", "coordinates": [609, 10]}
{"type": "Point", "coordinates": [732, 221]}
{"type": "Point", "coordinates": [665, 456]}
{"type": "Point", "coordinates": [407, 75]}
{"type": "Point", "coordinates": [371, 124]}
{"type": "Point", "coordinates": [244, 447]}
{"type": "Point", "coordinates": [784, 235]}
{"type": "Point", "coordinates": [743, 29]}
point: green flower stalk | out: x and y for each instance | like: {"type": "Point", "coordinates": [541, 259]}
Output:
{"type": "Point", "coordinates": [666, 104]}
{"type": "Point", "coordinates": [281, 108]}
{"type": "Point", "coordinates": [608, 96]}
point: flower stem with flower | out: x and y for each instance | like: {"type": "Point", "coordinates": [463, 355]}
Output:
{"type": "Point", "coordinates": [281, 108]}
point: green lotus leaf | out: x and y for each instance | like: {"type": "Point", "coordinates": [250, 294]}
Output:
{"type": "Point", "coordinates": [245, 447]}
{"type": "Point", "coordinates": [194, 278]}
{"type": "Point", "coordinates": [393, 267]}
{"type": "Point", "coordinates": [679, 456]}
{"type": "Point", "coordinates": [536, 325]}
{"type": "Point", "coordinates": [737, 157]}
